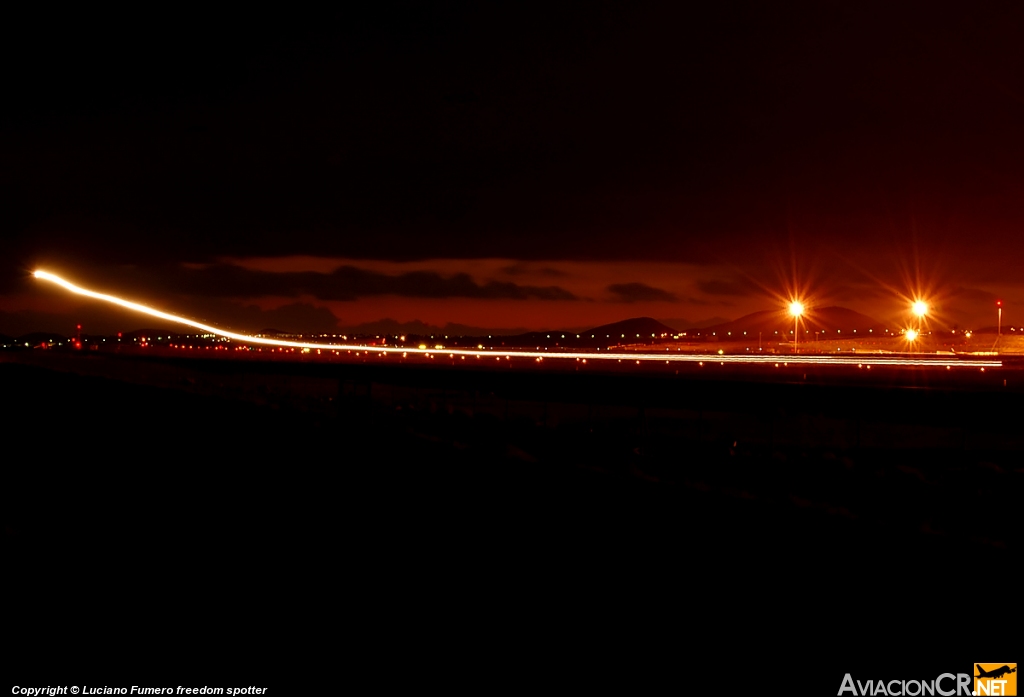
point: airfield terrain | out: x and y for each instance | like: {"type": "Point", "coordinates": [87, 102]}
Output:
{"type": "Point", "coordinates": [423, 489]}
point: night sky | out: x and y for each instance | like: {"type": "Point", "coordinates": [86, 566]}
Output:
{"type": "Point", "coordinates": [534, 166]}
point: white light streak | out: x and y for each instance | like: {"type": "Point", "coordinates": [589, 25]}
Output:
{"type": "Point", "coordinates": [766, 359]}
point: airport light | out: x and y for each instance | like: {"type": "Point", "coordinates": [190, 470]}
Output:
{"type": "Point", "coordinates": [796, 308]}
{"type": "Point", "coordinates": [999, 329]}
{"type": "Point", "coordinates": [920, 310]}
{"type": "Point", "coordinates": [288, 346]}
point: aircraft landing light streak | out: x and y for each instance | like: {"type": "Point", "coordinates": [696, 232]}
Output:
{"type": "Point", "coordinates": [678, 358]}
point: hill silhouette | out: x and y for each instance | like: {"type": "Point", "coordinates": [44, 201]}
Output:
{"type": "Point", "coordinates": [637, 327]}
{"type": "Point", "coordinates": [827, 319]}
{"type": "Point", "coordinates": [681, 325]}
{"type": "Point", "coordinates": [391, 327]}
{"type": "Point", "coordinates": [36, 338]}
{"type": "Point", "coordinates": [632, 330]}
{"type": "Point", "coordinates": [150, 331]}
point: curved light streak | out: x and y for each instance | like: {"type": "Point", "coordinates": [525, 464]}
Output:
{"type": "Point", "coordinates": [862, 360]}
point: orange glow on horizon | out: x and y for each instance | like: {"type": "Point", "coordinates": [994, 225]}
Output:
{"type": "Point", "coordinates": [383, 350]}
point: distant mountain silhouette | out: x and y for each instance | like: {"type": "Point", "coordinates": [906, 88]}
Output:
{"type": "Point", "coordinates": [633, 330]}
{"type": "Point", "coordinates": [681, 325]}
{"type": "Point", "coordinates": [150, 331]}
{"type": "Point", "coordinates": [828, 319]}
{"type": "Point", "coordinates": [36, 338]}
{"type": "Point", "coordinates": [390, 327]}
{"type": "Point", "coordinates": [638, 327]}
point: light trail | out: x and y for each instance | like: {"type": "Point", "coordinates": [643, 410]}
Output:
{"type": "Point", "coordinates": [701, 358]}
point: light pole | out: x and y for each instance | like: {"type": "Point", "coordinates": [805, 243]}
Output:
{"type": "Point", "coordinates": [796, 309]}
{"type": "Point", "coordinates": [999, 327]}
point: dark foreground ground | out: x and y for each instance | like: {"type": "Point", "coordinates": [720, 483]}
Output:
{"type": "Point", "coordinates": [414, 525]}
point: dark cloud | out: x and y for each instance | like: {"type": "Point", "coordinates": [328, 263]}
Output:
{"type": "Point", "coordinates": [522, 269]}
{"type": "Point", "coordinates": [345, 283]}
{"type": "Point", "coordinates": [349, 282]}
{"type": "Point", "coordinates": [640, 292]}
{"type": "Point", "coordinates": [736, 288]}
